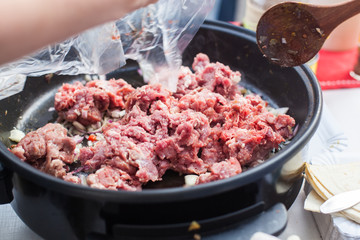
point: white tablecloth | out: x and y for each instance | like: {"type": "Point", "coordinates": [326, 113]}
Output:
{"type": "Point", "coordinates": [344, 104]}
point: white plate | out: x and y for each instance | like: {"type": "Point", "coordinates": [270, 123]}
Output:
{"type": "Point", "coordinates": [327, 148]}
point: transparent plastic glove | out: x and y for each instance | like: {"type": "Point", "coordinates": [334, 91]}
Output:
{"type": "Point", "coordinates": [154, 36]}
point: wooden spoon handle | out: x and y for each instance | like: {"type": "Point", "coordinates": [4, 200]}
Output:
{"type": "Point", "coordinates": [330, 17]}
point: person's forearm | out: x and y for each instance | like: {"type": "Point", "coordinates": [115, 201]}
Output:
{"type": "Point", "coordinates": [26, 26]}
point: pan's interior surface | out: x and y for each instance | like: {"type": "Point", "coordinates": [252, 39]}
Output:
{"type": "Point", "coordinates": [295, 88]}
{"type": "Point", "coordinates": [58, 202]}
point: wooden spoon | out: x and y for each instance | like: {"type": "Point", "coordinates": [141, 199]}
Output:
{"type": "Point", "coordinates": [291, 33]}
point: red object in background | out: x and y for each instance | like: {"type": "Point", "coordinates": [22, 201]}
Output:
{"type": "Point", "coordinates": [334, 69]}
{"type": "Point", "coordinates": [236, 23]}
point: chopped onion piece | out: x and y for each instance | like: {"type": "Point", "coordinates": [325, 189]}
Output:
{"type": "Point", "coordinates": [118, 113]}
{"type": "Point", "coordinates": [87, 78]}
{"type": "Point", "coordinates": [277, 111]}
{"type": "Point", "coordinates": [83, 179]}
{"type": "Point", "coordinates": [16, 135]}
{"type": "Point", "coordinates": [79, 126]}
{"type": "Point", "coordinates": [190, 180]}
{"type": "Point", "coordinates": [78, 138]}
{"type": "Point", "coordinates": [236, 78]}
{"type": "Point", "coordinates": [77, 112]}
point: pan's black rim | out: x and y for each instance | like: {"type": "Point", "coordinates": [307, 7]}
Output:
{"type": "Point", "coordinates": [182, 193]}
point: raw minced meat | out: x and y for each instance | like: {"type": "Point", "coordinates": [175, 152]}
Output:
{"type": "Point", "coordinates": [87, 104]}
{"type": "Point", "coordinates": [207, 128]}
{"type": "Point", "coordinates": [48, 149]}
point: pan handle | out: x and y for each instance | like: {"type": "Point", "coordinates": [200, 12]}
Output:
{"type": "Point", "coordinates": [6, 195]}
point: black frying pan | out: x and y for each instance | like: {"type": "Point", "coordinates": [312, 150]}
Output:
{"type": "Point", "coordinates": [56, 209]}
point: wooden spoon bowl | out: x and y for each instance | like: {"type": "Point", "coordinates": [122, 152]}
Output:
{"type": "Point", "coordinates": [290, 34]}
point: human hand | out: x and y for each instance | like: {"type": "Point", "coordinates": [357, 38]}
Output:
{"type": "Point", "coordinates": [41, 22]}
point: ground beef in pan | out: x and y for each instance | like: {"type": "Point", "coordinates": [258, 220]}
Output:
{"type": "Point", "coordinates": [208, 127]}
{"type": "Point", "coordinates": [87, 104]}
{"type": "Point", "coordinates": [48, 149]}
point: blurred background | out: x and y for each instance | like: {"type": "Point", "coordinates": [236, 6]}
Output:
{"type": "Point", "coordinates": [338, 63]}
{"type": "Point", "coordinates": [228, 10]}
